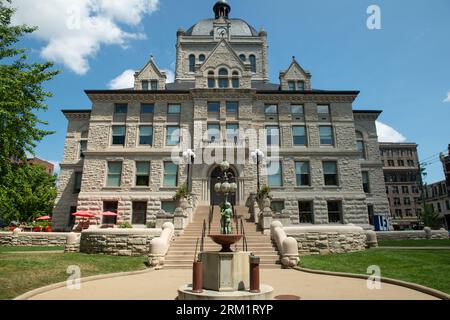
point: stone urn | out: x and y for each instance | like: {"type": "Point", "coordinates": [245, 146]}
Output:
{"type": "Point", "coordinates": [183, 203]}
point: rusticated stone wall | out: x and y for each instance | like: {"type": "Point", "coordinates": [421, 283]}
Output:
{"type": "Point", "coordinates": [411, 235]}
{"type": "Point", "coordinates": [29, 239]}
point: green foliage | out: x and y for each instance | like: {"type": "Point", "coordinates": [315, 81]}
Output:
{"type": "Point", "coordinates": [263, 193]}
{"type": "Point", "coordinates": [429, 217]}
{"type": "Point", "coordinates": [125, 225]}
{"type": "Point", "coordinates": [27, 192]}
{"type": "Point", "coordinates": [21, 93]}
{"type": "Point", "coordinates": [151, 225]}
{"type": "Point", "coordinates": [182, 192]}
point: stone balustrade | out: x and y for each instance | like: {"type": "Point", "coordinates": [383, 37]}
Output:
{"type": "Point", "coordinates": [426, 233]}
{"type": "Point", "coordinates": [287, 246]}
{"type": "Point", "coordinates": [160, 246]}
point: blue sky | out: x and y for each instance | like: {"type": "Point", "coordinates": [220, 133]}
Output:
{"type": "Point", "coordinates": [403, 69]}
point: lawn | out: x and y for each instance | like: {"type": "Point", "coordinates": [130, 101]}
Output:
{"type": "Point", "coordinates": [29, 249]}
{"type": "Point", "coordinates": [22, 272]}
{"type": "Point", "coordinates": [429, 268]}
{"type": "Point", "coordinates": [415, 243]}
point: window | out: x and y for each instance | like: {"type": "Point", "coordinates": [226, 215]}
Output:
{"type": "Point", "coordinates": [191, 63]}
{"type": "Point", "coordinates": [271, 109]}
{"type": "Point", "coordinates": [447, 204]}
{"type": "Point", "coordinates": [77, 182]}
{"type": "Point", "coordinates": [213, 132]}
{"type": "Point", "coordinates": [301, 85]}
{"type": "Point", "coordinates": [410, 163]}
{"type": "Point", "coordinates": [211, 80]}
{"type": "Point", "coordinates": [147, 108]}
{"type": "Point", "coordinates": [213, 110]}
{"type": "Point", "coordinates": [366, 182]}
{"type": "Point", "coordinates": [168, 206]}
{"type": "Point", "coordinates": [360, 147]}
{"type": "Point", "coordinates": [233, 133]}
{"type": "Point", "coordinates": [408, 212]}
{"type": "Point", "coordinates": [302, 173]}
{"type": "Point", "coordinates": [154, 85]}
{"type": "Point", "coordinates": [111, 207]}
{"type": "Point", "coordinates": [242, 57]}
{"type": "Point", "coordinates": [273, 135]}
{"type": "Point", "coordinates": [277, 206]}
{"type": "Point", "coordinates": [391, 163]}
{"type": "Point", "coordinates": [297, 110]}
{"type": "Point", "coordinates": [139, 213]}
{"type": "Point", "coordinates": [395, 190]}
{"type": "Point", "coordinates": [291, 85]}
{"type": "Point", "coordinates": [121, 108]}
{"type": "Point", "coordinates": [114, 174]}
{"type": "Point", "coordinates": [174, 109]}
{"type": "Point", "coordinates": [144, 84]}
{"type": "Point", "coordinates": [201, 58]}
{"type": "Point", "coordinates": [323, 109]}
{"type": "Point", "coordinates": [252, 62]}
{"type": "Point", "coordinates": [397, 201]}
{"type": "Point", "coordinates": [232, 109]}
{"type": "Point", "coordinates": [172, 135]}
{"type": "Point", "coordinates": [401, 163]}
{"type": "Point", "coordinates": [118, 135]}
{"type": "Point", "coordinates": [415, 189]}
{"type": "Point", "coordinates": [405, 189]}
{"type": "Point", "coordinates": [170, 174]}
{"type": "Point", "coordinates": [407, 201]}
{"type": "Point", "coordinates": [142, 174]}
{"type": "Point", "coordinates": [145, 135]}
{"type": "Point", "coordinates": [306, 211]}
{"type": "Point", "coordinates": [299, 135]}
{"type": "Point", "coordinates": [274, 174]}
{"type": "Point", "coordinates": [398, 213]}
{"type": "Point", "coordinates": [326, 136]}
{"type": "Point", "coordinates": [235, 80]}
{"type": "Point", "coordinates": [371, 214]}
{"type": "Point", "coordinates": [334, 212]}
{"type": "Point", "coordinates": [330, 173]}
{"type": "Point", "coordinates": [223, 78]}
{"type": "Point", "coordinates": [387, 190]}
{"type": "Point", "coordinates": [83, 148]}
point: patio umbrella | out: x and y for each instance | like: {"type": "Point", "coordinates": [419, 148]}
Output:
{"type": "Point", "coordinates": [44, 218]}
{"type": "Point", "coordinates": [109, 214]}
{"type": "Point", "coordinates": [83, 214]}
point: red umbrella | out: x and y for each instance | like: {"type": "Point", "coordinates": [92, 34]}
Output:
{"type": "Point", "coordinates": [83, 214]}
{"type": "Point", "coordinates": [44, 218]}
{"type": "Point", "coordinates": [109, 214]}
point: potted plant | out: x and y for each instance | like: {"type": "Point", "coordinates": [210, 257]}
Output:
{"type": "Point", "coordinates": [263, 197]}
{"type": "Point", "coordinates": [182, 197]}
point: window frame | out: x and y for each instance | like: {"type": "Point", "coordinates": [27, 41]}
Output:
{"type": "Point", "coordinates": [300, 176]}
{"type": "Point", "coordinates": [305, 136]}
{"type": "Point", "coordinates": [334, 212]}
{"type": "Point", "coordinates": [169, 136]}
{"type": "Point", "coordinates": [115, 136]}
{"type": "Point", "coordinates": [142, 136]}
{"type": "Point", "coordinates": [166, 175]}
{"type": "Point", "coordinates": [336, 174]}
{"type": "Point", "coordinates": [139, 175]}
{"type": "Point", "coordinates": [109, 174]}
{"type": "Point", "coordinates": [322, 138]}
{"type": "Point", "coordinates": [306, 216]}
{"type": "Point", "coordinates": [279, 174]}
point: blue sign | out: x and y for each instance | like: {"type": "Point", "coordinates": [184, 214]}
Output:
{"type": "Point", "coordinates": [381, 223]}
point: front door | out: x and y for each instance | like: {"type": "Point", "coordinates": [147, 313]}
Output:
{"type": "Point", "coordinates": [219, 198]}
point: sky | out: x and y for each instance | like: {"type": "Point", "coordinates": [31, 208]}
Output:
{"type": "Point", "coordinates": [403, 68]}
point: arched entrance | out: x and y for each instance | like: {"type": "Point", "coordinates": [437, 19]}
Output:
{"type": "Point", "coordinates": [217, 199]}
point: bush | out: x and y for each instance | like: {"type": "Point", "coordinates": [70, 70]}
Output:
{"type": "Point", "coordinates": [263, 193]}
{"type": "Point", "coordinates": [182, 192]}
{"type": "Point", "coordinates": [151, 225]}
{"type": "Point", "coordinates": [125, 225]}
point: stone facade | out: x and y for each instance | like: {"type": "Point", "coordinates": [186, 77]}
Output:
{"type": "Point", "coordinates": [224, 72]}
{"type": "Point", "coordinates": [30, 239]}
{"type": "Point", "coordinates": [412, 235]}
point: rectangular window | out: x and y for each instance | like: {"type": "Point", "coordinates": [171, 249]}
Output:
{"type": "Point", "coordinates": [114, 174]}
{"type": "Point", "coordinates": [330, 173]}
{"type": "Point", "coordinates": [274, 174]}
{"type": "Point", "coordinates": [277, 206]}
{"type": "Point", "coordinates": [147, 108]}
{"type": "Point", "coordinates": [121, 108]}
{"type": "Point", "coordinates": [326, 136]}
{"type": "Point", "coordinates": [232, 109]}
{"type": "Point", "coordinates": [408, 212]}
{"type": "Point", "coordinates": [211, 82]}
{"type": "Point", "coordinates": [398, 213]}
{"type": "Point", "coordinates": [366, 182]}
{"type": "Point", "coordinates": [299, 135]}
{"type": "Point", "coordinates": [172, 135]}
{"type": "Point", "coordinates": [145, 135]}
{"type": "Point", "coordinates": [334, 212]}
{"type": "Point", "coordinates": [273, 135]}
{"type": "Point", "coordinates": [142, 174]}
{"type": "Point", "coordinates": [410, 163]}
{"type": "Point", "coordinates": [139, 213]}
{"type": "Point", "coordinates": [306, 211]}
{"type": "Point", "coordinates": [405, 189]}
{"type": "Point", "coordinates": [233, 133]}
{"type": "Point", "coordinates": [361, 149]}
{"type": "Point", "coordinates": [302, 172]}
{"type": "Point", "coordinates": [401, 163]}
{"type": "Point", "coordinates": [271, 109]}
{"type": "Point", "coordinates": [168, 206]}
{"type": "Point", "coordinates": [397, 201]}
{"type": "Point", "coordinates": [213, 110]}
{"type": "Point", "coordinates": [439, 207]}
{"type": "Point", "coordinates": [213, 132]}
{"type": "Point", "coordinates": [154, 85]}
{"type": "Point", "coordinates": [323, 109]}
{"type": "Point", "coordinates": [170, 174]}
{"type": "Point", "coordinates": [174, 109]}
{"type": "Point", "coordinates": [77, 182]}
{"type": "Point", "coordinates": [291, 85]}
{"type": "Point", "coordinates": [118, 135]}
{"type": "Point", "coordinates": [297, 110]}
{"type": "Point", "coordinates": [391, 163]}
{"type": "Point", "coordinates": [301, 85]}
{"type": "Point", "coordinates": [407, 201]}
{"type": "Point", "coordinates": [110, 206]}
{"type": "Point", "coordinates": [83, 148]}
{"type": "Point", "coordinates": [144, 85]}
{"type": "Point", "coordinates": [447, 204]}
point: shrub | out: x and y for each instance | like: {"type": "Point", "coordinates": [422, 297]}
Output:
{"type": "Point", "coordinates": [125, 225]}
{"type": "Point", "coordinates": [151, 225]}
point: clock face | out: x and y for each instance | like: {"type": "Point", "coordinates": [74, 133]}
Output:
{"type": "Point", "coordinates": [222, 32]}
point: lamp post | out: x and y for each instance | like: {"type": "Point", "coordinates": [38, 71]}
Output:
{"type": "Point", "coordinates": [257, 156]}
{"type": "Point", "coordinates": [226, 184]}
{"type": "Point", "coordinates": [189, 158]}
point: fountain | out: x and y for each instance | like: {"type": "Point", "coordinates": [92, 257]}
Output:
{"type": "Point", "coordinates": [226, 275]}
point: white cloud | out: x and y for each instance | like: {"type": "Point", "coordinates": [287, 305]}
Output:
{"type": "Point", "coordinates": [75, 30]}
{"type": "Point", "coordinates": [448, 97]}
{"type": "Point", "coordinates": [57, 167]}
{"type": "Point", "coordinates": [170, 75]}
{"type": "Point", "coordinates": [388, 134]}
{"type": "Point", "coordinates": [123, 81]}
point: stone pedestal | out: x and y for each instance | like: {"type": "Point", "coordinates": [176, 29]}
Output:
{"type": "Point", "coordinates": [226, 271]}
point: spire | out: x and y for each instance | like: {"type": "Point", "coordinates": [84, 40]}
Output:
{"type": "Point", "coordinates": [222, 9]}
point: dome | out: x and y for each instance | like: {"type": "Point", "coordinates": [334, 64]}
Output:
{"type": "Point", "coordinates": [238, 28]}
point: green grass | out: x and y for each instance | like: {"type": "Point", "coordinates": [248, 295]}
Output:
{"type": "Point", "coordinates": [429, 268]}
{"type": "Point", "coordinates": [414, 243]}
{"type": "Point", "coordinates": [20, 273]}
{"type": "Point", "coordinates": [27, 249]}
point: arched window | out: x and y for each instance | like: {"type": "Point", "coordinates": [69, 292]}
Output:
{"type": "Point", "coordinates": [235, 79]}
{"type": "Point", "coordinates": [360, 146]}
{"type": "Point", "coordinates": [191, 63]}
{"type": "Point", "coordinates": [211, 80]}
{"type": "Point", "coordinates": [243, 57]}
{"type": "Point", "coordinates": [201, 58]}
{"type": "Point", "coordinates": [253, 62]}
{"type": "Point", "coordinates": [223, 78]}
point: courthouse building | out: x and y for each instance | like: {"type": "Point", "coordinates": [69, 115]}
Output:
{"type": "Point", "coordinates": [321, 157]}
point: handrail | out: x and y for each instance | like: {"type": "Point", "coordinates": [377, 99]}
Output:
{"type": "Point", "coordinates": [202, 245]}
{"type": "Point", "coordinates": [210, 217]}
{"type": "Point", "coordinates": [244, 239]}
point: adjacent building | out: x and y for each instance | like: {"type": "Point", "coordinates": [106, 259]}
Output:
{"type": "Point", "coordinates": [446, 165]}
{"type": "Point", "coordinates": [403, 183]}
{"type": "Point", "coordinates": [48, 166]}
{"type": "Point", "coordinates": [125, 154]}
{"type": "Point", "coordinates": [437, 195]}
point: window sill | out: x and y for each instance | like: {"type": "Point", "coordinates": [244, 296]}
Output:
{"type": "Point", "coordinates": [331, 187]}
{"type": "Point", "coordinates": [146, 188]}
{"type": "Point", "coordinates": [304, 188]}
{"type": "Point", "coordinates": [168, 189]}
{"type": "Point", "coordinates": [111, 188]}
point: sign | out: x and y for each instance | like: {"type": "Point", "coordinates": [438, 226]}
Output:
{"type": "Point", "coordinates": [381, 223]}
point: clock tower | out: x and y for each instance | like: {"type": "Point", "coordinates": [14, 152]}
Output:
{"type": "Point", "coordinates": [222, 25]}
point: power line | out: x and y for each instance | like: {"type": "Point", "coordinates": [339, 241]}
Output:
{"type": "Point", "coordinates": [434, 155]}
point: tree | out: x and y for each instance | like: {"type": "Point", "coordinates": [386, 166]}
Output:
{"type": "Point", "coordinates": [21, 93]}
{"type": "Point", "coordinates": [429, 217]}
{"type": "Point", "coordinates": [29, 193]}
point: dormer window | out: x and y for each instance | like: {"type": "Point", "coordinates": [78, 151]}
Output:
{"type": "Point", "coordinates": [144, 85]}
{"type": "Point", "coordinates": [223, 78]}
{"type": "Point", "coordinates": [301, 85]}
{"type": "Point", "coordinates": [154, 85]}
{"type": "Point", "coordinates": [291, 85]}
{"type": "Point", "coordinates": [191, 63]}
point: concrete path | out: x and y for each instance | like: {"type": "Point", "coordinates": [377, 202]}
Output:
{"type": "Point", "coordinates": [163, 285]}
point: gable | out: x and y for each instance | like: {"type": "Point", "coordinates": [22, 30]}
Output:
{"type": "Point", "coordinates": [295, 72]}
{"type": "Point", "coordinates": [223, 55]}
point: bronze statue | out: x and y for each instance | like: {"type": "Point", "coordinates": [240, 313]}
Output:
{"type": "Point", "coordinates": [226, 213]}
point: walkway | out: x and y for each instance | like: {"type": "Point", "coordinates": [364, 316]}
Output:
{"type": "Point", "coordinates": [163, 285]}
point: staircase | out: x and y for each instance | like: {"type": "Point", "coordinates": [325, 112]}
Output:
{"type": "Point", "coordinates": [182, 250]}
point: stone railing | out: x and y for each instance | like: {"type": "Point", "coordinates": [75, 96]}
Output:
{"type": "Point", "coordinates": [160, 246]}
{"type": "Point", "coordinates": [287, 246]}
{"type": "Point", "coordinates": [72, 243]}
{"type": "Point", "coordinates": [426, 233]}
{"type": "Point", "coordinates": [118, 242]}
{"type": "Point", "coordinates": [29, 239]}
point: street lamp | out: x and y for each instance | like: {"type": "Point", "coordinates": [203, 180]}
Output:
{"type": "Point", "coordinates": [226, 184]}
{"type": "Point", "coordinates": [257, 157]}
{"type": "Point", "coordinates": [189, 158]}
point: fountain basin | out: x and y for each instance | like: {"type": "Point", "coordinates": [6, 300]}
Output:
{"type": "Point", "coordinates": [226, 240]}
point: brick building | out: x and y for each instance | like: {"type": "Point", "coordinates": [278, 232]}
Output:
{"type": "Point", "coordinates": [49, 167]}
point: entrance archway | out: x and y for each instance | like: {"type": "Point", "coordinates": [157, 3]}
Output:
{"type": "Point", "coordinates": [217, 199]}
